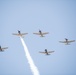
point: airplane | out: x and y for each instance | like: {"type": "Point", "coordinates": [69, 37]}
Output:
{"type": "Point", "coordinates": [20, 34]}
{"type": "Point", "coordinates": [2, 49]}
{"type": "Point", "coordinates": [47, 52]}
{"type": "Point", "coordinates": [41, 33]}
{"type": "Point", "coordinates": [67, 42]}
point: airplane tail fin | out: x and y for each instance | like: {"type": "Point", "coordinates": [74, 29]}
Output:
{"type": "Point", "coordinates": [42, 36]}
{"type": "Point", "coordinates": [67, 44]}
{"type": "Point", "coordinates": [21, 36]}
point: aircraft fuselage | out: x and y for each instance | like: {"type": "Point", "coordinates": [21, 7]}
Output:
{"type": "Point", "coordinates": [46, 52]}
{"type": "Point", "coordinates": [0, 48]}
{"type": "Point", "coordinates": [66, 41]}
{"type": "Point", "coordinates": [41, 33]}
{"type": "Point", "coordinates": [19, 32]}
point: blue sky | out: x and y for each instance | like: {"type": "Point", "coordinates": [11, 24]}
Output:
{"type": "Point", "coordinates": [58, 17]}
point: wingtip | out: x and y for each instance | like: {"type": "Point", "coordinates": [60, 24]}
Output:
{"type": "Point", "coordinates": [74, 40]}
{"type": "Point", "coordinates": [59, 41]}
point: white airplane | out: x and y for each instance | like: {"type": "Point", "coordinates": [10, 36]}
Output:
{"type": "Point", "coordinates": [2, 49]}
{"type": "Point", "coordinates": [47, 52]}
{"type": "Point", "coordinates": [67, 42]}
{"type": "Point", "coordinates": [41, 33]}
{"type": "Point", "coordinates": [19, 34]}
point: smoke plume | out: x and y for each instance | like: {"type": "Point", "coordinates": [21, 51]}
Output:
{"type": "Point", "coordinates": [33, 68]}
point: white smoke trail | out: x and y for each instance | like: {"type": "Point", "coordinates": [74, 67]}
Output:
{"type": "Point", "coordinates": [30, 61]}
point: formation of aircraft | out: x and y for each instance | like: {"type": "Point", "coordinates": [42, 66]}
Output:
{"type": "Point", "coordinates": [41, 33]}
{"type": "Point", "coordinates": [2, 49]}
{"type": "Point", "coordinates": [47, 52]}
{"type": "Point", "coordinates": [20, 34]}
{"type": "Point", "coordinates": [67, 42]}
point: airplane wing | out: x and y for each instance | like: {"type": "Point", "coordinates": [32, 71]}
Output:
{"type": "Point", "coordinates": [37, 33]}
{"type": "Point", "coordinates": [62, 41]}
{"type": "Point", "coordinates": [24, 33]}
{"type": "Point", "coordinates": [71, 41]}
{"type": "Point", "coordinates": [42, 52]}
{"type": "Point", "coordinates": [15, 34]}
{"type": "Point", "coordinates": [4, 48]}
{"type": "Point", "coordinates": [45, 33]}
{"type": "Point", "coordinates": [50, 51]}
{"type": "Point", "coordinates": [67, 41]}
{"type": "Point", "coordinates": [20, 34]}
